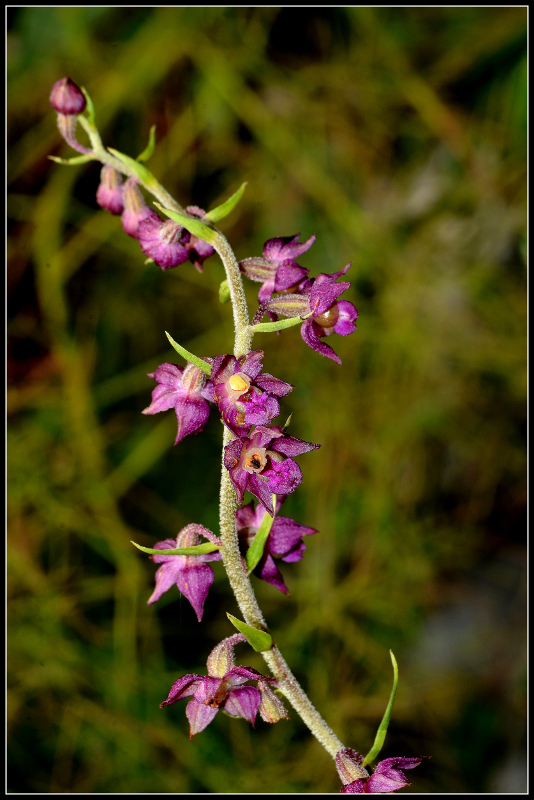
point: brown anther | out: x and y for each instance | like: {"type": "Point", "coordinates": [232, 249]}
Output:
{"type": "Point", "coordinates": [329, 318]}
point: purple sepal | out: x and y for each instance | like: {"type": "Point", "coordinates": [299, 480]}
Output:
{"type": "Point", "coordinates": [283, 477]}
{"type": "Point", "coordinates": [183, 687]}
{"type": "Point", "coordinates": [309, 335]}
{"type": "Point", "coordinates": [277, 270]}
{"type": "Point", "coordinates": [199, 716]}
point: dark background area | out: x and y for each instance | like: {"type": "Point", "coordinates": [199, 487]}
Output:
{"type": "Point", "coordinates": [398, 136]}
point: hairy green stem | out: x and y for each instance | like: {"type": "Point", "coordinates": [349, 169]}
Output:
{"type": "Point", "coordinates": [233, 562]}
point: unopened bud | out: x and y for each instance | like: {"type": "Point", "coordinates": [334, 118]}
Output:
{"type": "Point", "coordinates": [66, 98]}
{"type": "Point", "coordinates": [109, 192]}
{"type": "Point", "coordinates": [221, 659]}
{"type": "Point", "coordinates": [349, 765]}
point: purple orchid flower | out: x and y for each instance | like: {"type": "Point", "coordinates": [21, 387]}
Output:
{"type": "Point", "coordinates": [221, 688]}
{"type": "Point", "coordinates": [318, 301]}
{"type": "Point", "coordinates": [284, 540]}
{"type": "Point", "coordinates": [191, 574]}
{"type": "Point", "coordinates": [237, 389]}
{"type": "Point", "coordinates": [264, 464]}
{"type": "Point", "coordinates": [109, 192]}
{"type": "Point", "coordinates": [277, 270]}
{"type": "Point", "coordinates": [386, 777]}
{"type": "Point", "coordinates": [187, 390]}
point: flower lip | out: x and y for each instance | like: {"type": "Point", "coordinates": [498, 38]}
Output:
{"type": "Point", "coordinates": [255, 460]}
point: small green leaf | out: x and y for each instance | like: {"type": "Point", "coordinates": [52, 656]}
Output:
{"type": "Point", "coordinates": [224, 292]}
{"type": "Point", "coordinates": [255, 551]}
{"type": "Point", "coordinates": [71, 162]}
{"type": "Point", "coordinates": [149, 149]}
{"type": "Point", "coordinates": [90, 109]}
{"type": "Point", "coordinates": [222, 211]}
{"type": "Point", "coordinates": [258, 640]}
{"type": "Point", "coordinates": [194, 226]}
{"type": "Point", "coordinates": [198, 362]}
{"type": "Point", "coordinates": [383, 727]}
{"type": "Point", "coordinates": [268, 327]}
{"type": "Point", "coordinates": [288, 420]}
{"type": "Point", "coordinates": [140, 172]}
{"type": "Point", "coordinates": [198, 550]}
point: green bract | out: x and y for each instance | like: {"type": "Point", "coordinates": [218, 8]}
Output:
{"type": "Point", "coordinates": [140, 172]}
{"type": "Point", "coordinates": [258, 640]}
{"type": "Point", "coordinates": [383, 727]}
{"type": "Point", "coordinates": [255, 551]}
{"type": "Point", "coordinates": [149, 149]}
{"type": "Point", "coordinates": [222, 211]}
{"type": "Point", "coordinates": [194, 226]}
{"type": "Point", "coordinates": [198, 362]}
{"type": "Point", "coordinates": [198, 550]}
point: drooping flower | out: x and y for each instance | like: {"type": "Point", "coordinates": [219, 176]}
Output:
{"type": "Point", "coordinates": [109, 192]}
{"type": "Point", "coordinates": [264, 464]}
{"type": "Point", "coordinates": [191, 574]}
{"type": "Point", "coordinates": [135, 208]}
{"type": "Point", "coordinates": [387, 776]}
{"type": "Point", "coordinates": [318, 301]}
{"type": "Point", "coordinates": [187, 390]}
{"type": "Point", "coordinates": [237, 390]}
{"type": "Point", "coordinates": [161, 241]}
{"type": "Point", "coordinates": [284, 540]}
{"type": "Point", "coordinates": [221, 688]}
{"type": "Point", "coordinates": [277, 270]}
{"type": "Point", "coordinates": [68, 100]}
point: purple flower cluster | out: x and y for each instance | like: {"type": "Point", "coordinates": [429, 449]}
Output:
{"type": "Point", "coordinates": [223, 688]}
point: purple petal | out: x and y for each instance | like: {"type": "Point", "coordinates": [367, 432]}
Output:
{"type": "Point", "coordinates": [263, 435]}
{"type": "Point", "coordinates": [243, 702]}
{"type": "Point", "coordinates": [251, 364]}
{"type": "Point", "coordinates": [238, 675]}
{"type": "Point", "coordinates": [192, 413]}
{"type": "Point", "coordinates": [272, 248]}
{"type": "Point", "coordinates": [163, 398]}
{"type": "Point", "coordinates": [379, 784]}
{"type": "Point", "coordinates": [347, 314]}
{"type": "Point", "coordinates": [284, 477]}
{"type": "Point", "coordinates": [166, 576]}
{"type": "Point", "coordinates": [166, 544]}
{"type": "Point", "coordinates": [291, 446]}
{"type": "Point", "coordinates": [309, 335]}
{"type": "Point", "coordinates": [286, 534]}
{"type": "Point", "coordinates": [356, 787]}
{"type": "Point", "coordinates": [262, 490]}
{"type": "Point", "coordinates": [194, 580]}
{"type": "Point", "coordinates": [261, 409]}
{"type": "Point", "coordinates": [168, 375]}
{"type": "Point", "coordinates": [239, 480]}
{"type": "Point", "coordinates": [199, 716]}
{"type": "Point", "coordinates": [232, 453]}
{"type": "Point", "coordinates": [266, 291]}
{"type": "Point", "coordinates": [296, 554]}
{"type": "Point", "coordinates": [273, 385]}
{"type": "Point", "coordinates": [403, 762]}
{"type": "Point", "coordinates": [323, 295]}
{"type": "Point", "coordinates": [294, 249]}
{"type": "Point", "coordinates": [269, 572]}
{"type": "Point", "coordinates": [183, 687]}
{"type": "Point", "coordinates": [288, 274]}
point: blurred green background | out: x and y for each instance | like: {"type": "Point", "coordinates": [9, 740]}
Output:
{"type": "Point", "coordinates": [398, 136]}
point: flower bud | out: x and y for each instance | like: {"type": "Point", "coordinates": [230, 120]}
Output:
{"type": "Point", "coordinates": [135, 208]}
{"type": "Point", "coordinates": [109, 192]}
{"type": "Point", "coordinates": [66, 98]}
